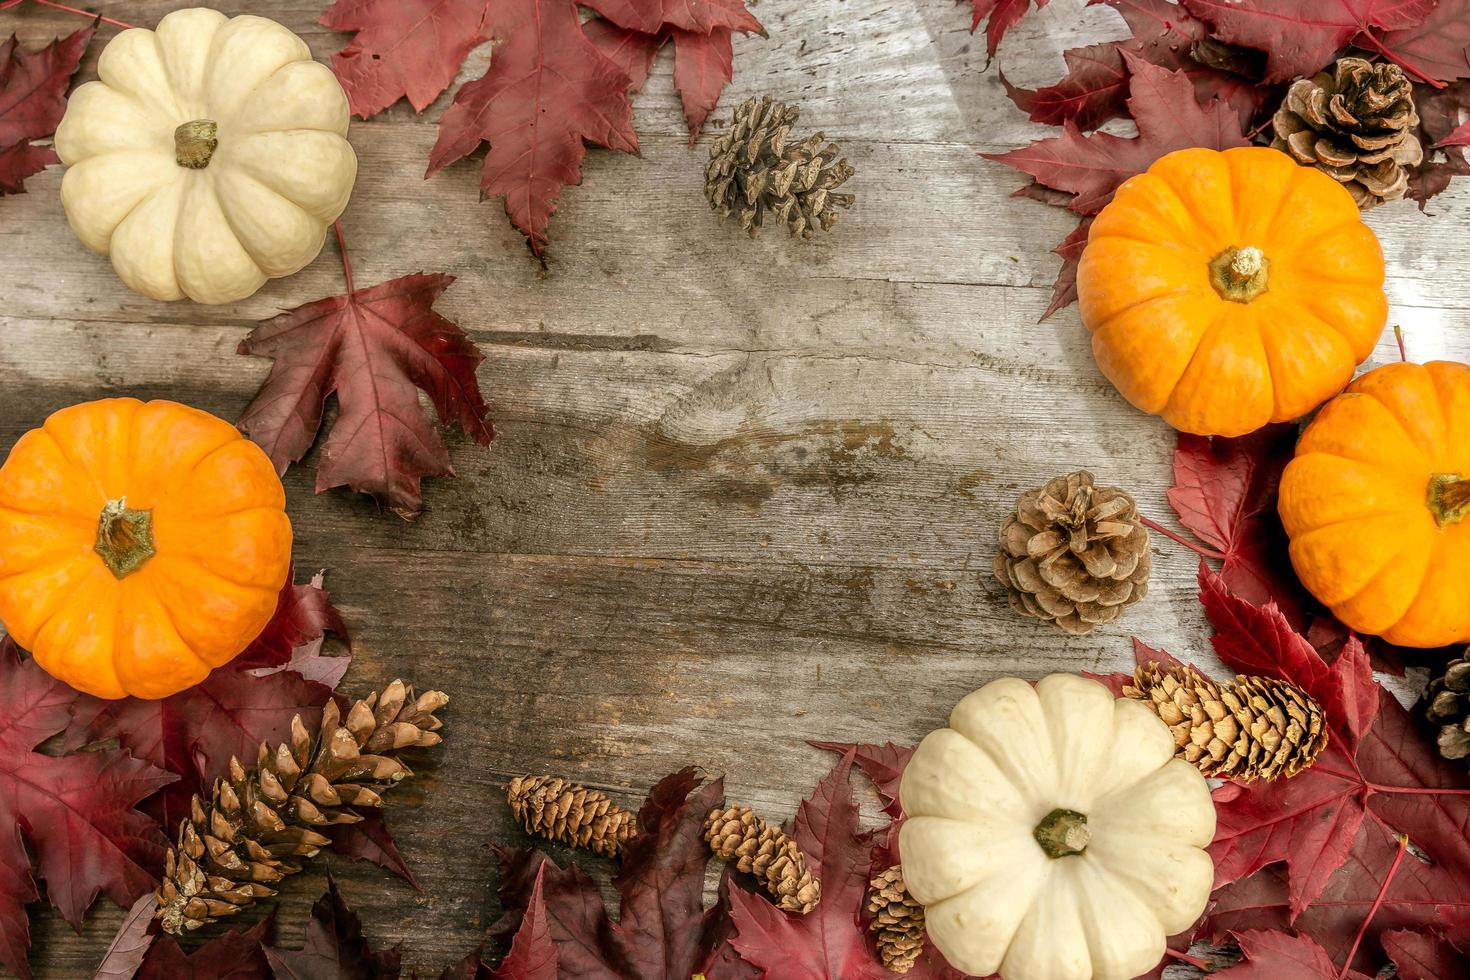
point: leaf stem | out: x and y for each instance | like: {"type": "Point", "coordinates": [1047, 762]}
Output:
{"type": "Point", "coordinates": [1200, 550]}
{"type": "Point", "coordinates": [1373, 909]}
{"type": "Point", "coordinates": [70, 10]}
{"type": "Point", "coordinates": [1204, 966]}
{"type": "Point", "coordinates": [346, 262]}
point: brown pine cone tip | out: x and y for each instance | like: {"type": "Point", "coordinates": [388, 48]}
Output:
{"type": "Point", "coordinates": [260, 824]}
{"type": "Point", "coordinates": [1255, 728]}
{"type": "Point", "coordinates": [897, 919]}
{"type": "Point", "coordinates": [755, 173]}
{"type": "Point", "coordinates": [1447, 707]}
{"type": "Point", "coordinates": [736, 834]}
{"type": "Point", "coordinates": [1355, 123]}
{"type": "Point", "coordinates": [571, 814]}
{"type": "Point", "coordinates": [1074, 554]}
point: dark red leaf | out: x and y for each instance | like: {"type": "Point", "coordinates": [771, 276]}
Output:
{"type": "Point", "coordinates": [1002, 16]}
{"type": "Point", "coordinates": [547, 90]}
{"type": "Point", "coordinates": [703, 63]}
{"type": "Point", "coordinates": [1440, 111]}
{"type": "Point", "coordinates": [1459, 137]}
{"type": "Point", "coordinates": [1064, 290]}
{"type": "Point", "coordinates": [369, 840]}
{"type": "Point", "coordinates": [73, 814]}
{"type": "Point", "coordinates": [1272, 955]}
{"type": "Point", "coordinates": [698, 16]}
{"type": "Point", "coordinates": [532, 954]}
{"type": "Point", "coordinates": [1301, 36]}
{"type": "Point", "coordinates": [231, 956]}
{"type": "Point", "coordinates": [304, 614]}
{"type": "Point", "coordinates": [882, 764]}
{"type": "Point", "coordinates": [830, 940]}
{"type": "Point", "coordinates": [1091, 167]}
{"type": "Point", "coordinates": [411, 48]}
{"type": "Point", "coordinates": [131, 943]}
{"type": "Point", "coordinates": [32, 100]}
{"type": "Point", "coordinates": [1438, 47]}
{"type": "Point", "coordinates": [376, 348]}
{"type": "Point", "coordinates": [335, 948]}
{"type": "Point", "coordinates": [1426, 955]}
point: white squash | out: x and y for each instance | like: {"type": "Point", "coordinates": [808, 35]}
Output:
{"type": "Point", "coordinates": [1052, 835]}
{"type": "Point", "coordinates": [210, 156]}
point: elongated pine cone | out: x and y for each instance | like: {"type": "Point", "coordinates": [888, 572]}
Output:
{"type": "Point", "coordinates": [1074, 554]}
{"type": "Point", "coordinates": [1447, 706]}
{"type": "Point", "coordinates": [1355, 123]}
{"type": "Point", "coordinates": [570, 814]}
{"type": "Point", "coordinates": [1255, 728]}
{"type": "Point", "coordinates": [260, 824]}
{"type": "Point", "coordinates": [755, 172]}
{"type": "Point", "coordinates": [757, 848]}
{"type": "Point", "coordinates": [897, 919]}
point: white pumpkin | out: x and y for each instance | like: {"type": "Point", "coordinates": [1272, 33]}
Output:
{"type": "Point", "coordinates": [210, 156]}
{"type": "Point", "coordinates": [1052, 835]}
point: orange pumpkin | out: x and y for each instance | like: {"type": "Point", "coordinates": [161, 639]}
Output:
{"type": "Point", "coordinates": [141, 545]}
{"type": "Point", "coordinates": [1377, 504]}
{"type": "Point", "coordinates": [1225, 290]}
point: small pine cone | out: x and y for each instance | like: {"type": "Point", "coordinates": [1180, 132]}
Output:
{"type": "Point", "coordinates": [897, 919]}
{"type": "Point", "coordinates": [754, 172]}
{"type": "Point", "coordinates": [1355, 123]}
{"type": "Point", "coordinates": [1074, 554]}
{"type": "Point", "coordinates": [757, 848]}
{"type": "Point", "coordinates": [563, 811]}
{"type": "Point", "coordinates": [260, 824]}
{"type": "Point", "coordinates": [1255, 728]}
{"type": "Point", "coordinates": [1447, 707]}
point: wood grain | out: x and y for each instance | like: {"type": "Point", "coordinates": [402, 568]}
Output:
{"type": "Point", "coordinates": [744, 494]}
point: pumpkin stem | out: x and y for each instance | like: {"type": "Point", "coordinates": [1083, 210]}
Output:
{"type": "Point", "coordinates": [195, 143]}
{"type": "Point", "coordinates": [124, 537]}
{"type": "Point", "coordinates": [1240, 274]}
{"type": "Point", "coordinates": [1063, 833]}
{"type": "Point", "coordinates": [1449, 498]}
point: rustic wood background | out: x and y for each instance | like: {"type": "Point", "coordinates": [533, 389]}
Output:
{"type": "Point", "coordinates": [745, 493]}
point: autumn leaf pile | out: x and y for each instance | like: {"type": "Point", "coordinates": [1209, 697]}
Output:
{"type": "Point", "coordinates": [1210, 73]}
{"type": "Point", "coordinates": [553, 82]}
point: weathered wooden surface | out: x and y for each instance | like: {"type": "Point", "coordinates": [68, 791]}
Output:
{"type": "Point", "coordinates": [744, 494]}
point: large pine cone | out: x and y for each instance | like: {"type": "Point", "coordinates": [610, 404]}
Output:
{"type": "Point", "coordinates": [1356, 124]}
{"type": "Point", "coordinates": [755, 173]}
{"type": "Point", "coordinates": [1447, 706]}
{"type": "Point", "coordinates": [1074, 554]}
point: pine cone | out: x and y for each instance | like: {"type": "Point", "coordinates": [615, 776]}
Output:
{"type": "Point", "coordinates": [1074, 554]}
{"type": "Point", "coordinates": [737, 834]}
{"type": "Point", "coordinates": [1255, 728]}
{"type": "Point", "coordinates": [1447, 706]}
{"type": "Point", "coordinates": [260, 824]}
{"type": "Point", "coordinates": [753, 171]}
{"type": "Point", "coordinates": [897, 919]}
{"type": "Point", "coordinates": [563, 811]}
{"type": "Point", "coordinates": [1356, 124]}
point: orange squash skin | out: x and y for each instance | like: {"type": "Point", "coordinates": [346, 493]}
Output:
{"type": "Point", "coordinates": [1360, 500]}
{"type": "Point", "coordinates": [202, 544]}
{"type": "Point", "coordinates": [1166, 335]}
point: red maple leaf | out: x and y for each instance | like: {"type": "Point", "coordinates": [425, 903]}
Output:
{"type": "Point", "coordinates": [830, 940]}
{"type": "Point", "coordinates": [547, 90]}
{"type": "Point", "coordinates": [230, 956]}
{"type": "Point", "coordinates": [695, 16]}
{"type": "Point", "coordinates": [335, 946]}
{"type": "Point", "coordinates": [403, 48]}
{"type": "Point", "coordinates": [1426, 955]}
{"type": "Point", "coordinates": [74, 813]}
{"type": "Point", "coordinates": [1091, 167]}
{"type": "Point", "coordinates": [375, 348]}
{"type": "Point", "coordinates": [1301, 36]}
{"type": "Point", "coordinates": [1064, 290]}
{"type": "Point", "coordinates": [1002, 16]}
{"type": "Point", "coordinates": [1440, 110]}
{"type": "Point", "coordinates": [130, 945]}
{"type": "Point", "coordinates": [1095, 88]}
{"type": "Point", "coordinates": [703, 63]}
{"type": "Point", "coordinates": [32, 101]}
{"type": "Point", "coordinates": [662, 929]}
{"type": "Point", "coordinates": [196, 732]}
{"type": "Point", "coordinates": [1275, 955]}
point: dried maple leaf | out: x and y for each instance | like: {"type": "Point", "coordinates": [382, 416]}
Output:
{"type": "Point", "coordinates": [532, 954]}
{"type": "Point", "coordinates": [375, 348]}
{"type": "Point", "coordinates": [1002, 16]}
{"type": "Point", "coordinates": [1274, 955]}
{"type": "Point", "coordinates": [403, 48]}
{"type": "Point", "coordinates": [74, 813]}
{"type": "Point", "coordinates": [662, 929]}
{"type": "Point", "coordinates": [548, 89]}
{"type": "Point", "coordinates": [370, 840]}
{"type": "Point", "coordinates": [1301, 36]}
{"type": "Point", "coordinates": [830, 940]}
{"type": "Point", "coordinates": [335, 947]}
{"type": "Point", "coordinates": [1426, 955]}
{"type": "Point", "coordinates": [32, 100]}
{"type": "Point", "coordinates": [1438, 47]}
{"type": "Point", "coordinates": [130, 945]}
{"type": "Point", "coordinates": [1064, 290]}
{"type": "Point", "coordinates": [1440, 110]}
{"type": "Point", "coordinates": [695, 16]}
{"type": "Point", "coordinates": [230, 956]}
{"type": "Point", "coordinates": [196, 732]}
{"type": "Point", "coordinates": [703, 63]}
